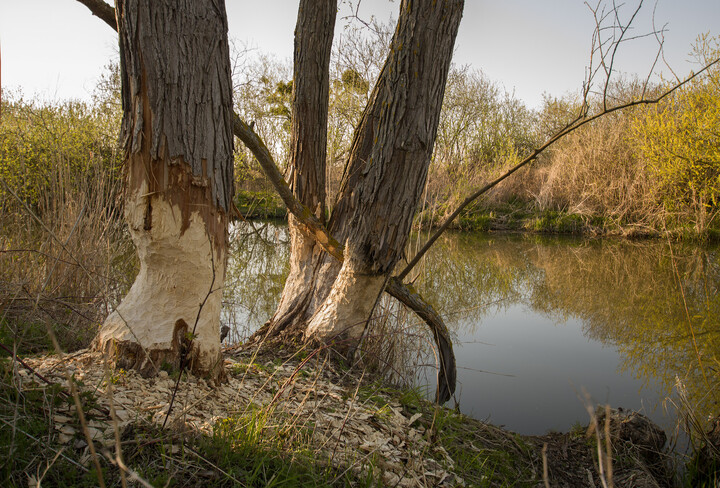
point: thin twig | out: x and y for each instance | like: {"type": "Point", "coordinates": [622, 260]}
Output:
{"type": "Point", "coordinates": [186, 351]}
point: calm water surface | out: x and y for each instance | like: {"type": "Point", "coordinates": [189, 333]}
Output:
{"type": "Point", "coordinates": [542, 324]}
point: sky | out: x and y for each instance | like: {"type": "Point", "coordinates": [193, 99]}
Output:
{"type": "Point", "coordinates": [55, 49]}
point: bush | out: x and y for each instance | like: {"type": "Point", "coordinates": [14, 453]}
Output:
{"type": "Point", "coordinates": [680, 141]}
{"type": "Point", "coordinates": [64, 254]}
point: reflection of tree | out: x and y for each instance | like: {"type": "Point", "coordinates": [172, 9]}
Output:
{"type": "Point", "coordinates": [468, 275]}
{"type": "Point", "coordinates": [628, 295]}
{"type": "Point", "coordinates": [255, 276]}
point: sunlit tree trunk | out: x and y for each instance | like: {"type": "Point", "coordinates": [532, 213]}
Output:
{"type": "Point", "coordinates": [177, 134]}
{"type": "Point", "coordinates": [311, 84]}
{"type": "Point", "coordinates": [388, 165]}
{"type": "Point", "coordinates": [383, 180]}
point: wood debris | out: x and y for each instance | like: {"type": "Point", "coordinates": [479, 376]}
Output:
{"type": "Point", "coordinates": [334, 422]}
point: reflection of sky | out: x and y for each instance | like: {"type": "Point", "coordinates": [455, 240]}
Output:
{"type": "Point", "coordinates": [550, 365]}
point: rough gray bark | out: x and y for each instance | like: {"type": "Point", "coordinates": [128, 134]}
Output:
{"type": "Point", "coordinates": [311, 85]}
{"type": "Point", "coordinates": [387, 169]}
{"type": "Point", "coordinates": [101, 10]}
{"type": "Point", "coordinates": [177, 90]}
{"type": "Point", "coordinates": [177, 134]}
{"type": "Point", "coordinates": [388, 164]}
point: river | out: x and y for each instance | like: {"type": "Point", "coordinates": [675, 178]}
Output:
{"type": "Point", "coordinates": [542, 326]}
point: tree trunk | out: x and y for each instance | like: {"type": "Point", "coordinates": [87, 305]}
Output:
{"type": "Point", "coordinates": [177, 134]}
{"type": "Point", "coordinates": [387, 169]}
{"type": "Point", "coordinates": [311, 84]}
{"type": "Point", "coordinates": [383, 181]}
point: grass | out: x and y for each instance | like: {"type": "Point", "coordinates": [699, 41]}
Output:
{"type": "Point", "coordinates": [260, 205]}
{"type": "Point", "coordinates": [261, 445]}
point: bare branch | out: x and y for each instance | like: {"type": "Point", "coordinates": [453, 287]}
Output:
{"type": "Point", "coordinates": [314, 227]}
{"type": "Point", "coordinates": [102, 10]}
{"type": "Point", "coordinates": [616, 44]}
{"type": "Point", "coordinates": [571, 127]}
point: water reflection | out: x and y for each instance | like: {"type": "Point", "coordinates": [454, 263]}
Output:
{"type": "Point", "coordinates": [540, 320]}
{"type": "Point", "coordinates": [615, 318]}
{"type": "Point", "coordinates": [255, 276]}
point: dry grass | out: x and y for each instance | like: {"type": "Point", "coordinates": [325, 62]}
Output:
{"type": "Point", "coordinates": [64, 256]}
{"type": "Point", "coordinates": [595, 171]}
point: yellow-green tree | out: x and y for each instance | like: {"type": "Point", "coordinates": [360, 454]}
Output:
{"type": "Point", "coordinates": [680, 141]}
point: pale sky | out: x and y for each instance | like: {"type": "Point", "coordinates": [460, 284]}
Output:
{"type": "Point", "coordinates": [55, 49]}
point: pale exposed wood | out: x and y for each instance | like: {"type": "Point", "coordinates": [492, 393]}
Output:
{"type": "Point", "coordinates": [406, 152]}
{"type": "Point", "coordinates": [387, 169]}
{"type": "Point", "coordinates": [178, 140]}
{"type": "Point", "coordinates": [312, 224]}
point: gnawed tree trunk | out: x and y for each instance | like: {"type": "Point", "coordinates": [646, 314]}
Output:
{"type": "Point", "coordinates": [387, 169]}
{"type": "Point", "coordinates": [311, 85]}
{"type": "Point", "coordinates": [383, 181]}
{"type": "Point", "coordinates": [177, 133]}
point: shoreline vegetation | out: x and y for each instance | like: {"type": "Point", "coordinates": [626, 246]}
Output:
{"type": "Point", "coordinates": [510, 217]}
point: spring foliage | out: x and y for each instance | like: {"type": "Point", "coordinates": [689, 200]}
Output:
{"type": "Point", "coordinates": [680, 141]}
{"type": "Point", "coordinates": [45, 147]}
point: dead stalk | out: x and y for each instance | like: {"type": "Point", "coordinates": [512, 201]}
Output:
{"type": "Point", "coordinates": [113, 416]}
{"type": "Point", "coordinates": [546, 477]}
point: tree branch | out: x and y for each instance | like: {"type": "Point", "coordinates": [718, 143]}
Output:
{"type": "Point", "coordinates": [102, 10]}
{"type": "Point", "coordinates": [313, 227]}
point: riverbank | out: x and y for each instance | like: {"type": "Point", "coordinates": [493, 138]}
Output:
{"type": "Point", "coordinates": [285, 420]}
{"type": "Point", "coordinates": [511, 217]}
